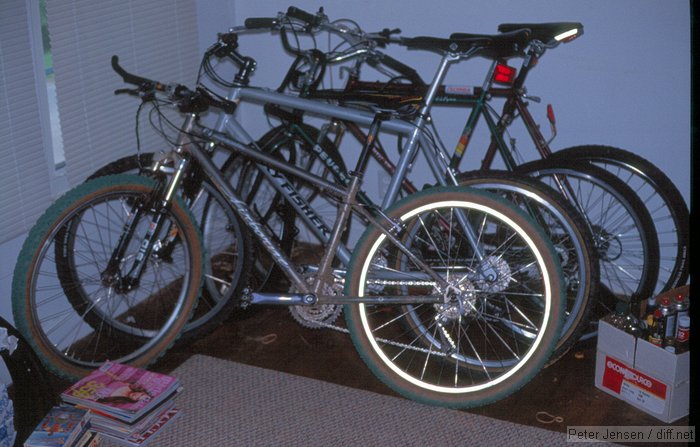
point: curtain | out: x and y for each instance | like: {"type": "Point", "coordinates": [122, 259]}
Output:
{"type": "Point", "coordinates": [155, 39]}
{"type": "Point", "coordinates": [24, 170]}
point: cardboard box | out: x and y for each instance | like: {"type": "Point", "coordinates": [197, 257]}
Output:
{"type": "Point", "coordinates": [644, 375]}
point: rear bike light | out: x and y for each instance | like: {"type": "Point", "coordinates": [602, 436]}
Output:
{"type": "Point", "coordinates": [567, 36]}
{"type": "Point", "coordinates": [504, 74]}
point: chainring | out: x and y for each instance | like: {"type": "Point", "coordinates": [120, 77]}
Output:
{"type": "Point", "coordinates": [320, 315]}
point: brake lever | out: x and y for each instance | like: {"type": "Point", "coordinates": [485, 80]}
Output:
{"type": "Point", "coordinates": [145, 94]}
{"type": "Point", "coordinates": [127, 91]}
{"type": "Point", "coordinates": [384, 36]}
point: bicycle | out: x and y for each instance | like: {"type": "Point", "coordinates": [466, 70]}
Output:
{"type": "Point", "coordinates": [426, 313]}
{"type": "Point", "coordinates": [634, 229]}
{"type": "Point", "coordinates": [661, 198]}
{"type": "Point", "coordinates": [625, 276]}
{"type": "Point", "coordinates": [561, 219]}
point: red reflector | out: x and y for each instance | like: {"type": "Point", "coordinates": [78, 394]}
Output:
{"type": "Point", "coordinates": [550, 114]}
{"type": "Point", "coordinates": [504, 74]}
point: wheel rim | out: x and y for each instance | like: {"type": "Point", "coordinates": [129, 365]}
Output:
{"type": "Point", "coordinates": [121, 329]}
{"type": "Point", "coordinates": [465, 375]}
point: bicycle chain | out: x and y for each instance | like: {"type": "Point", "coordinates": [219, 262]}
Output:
{"type": "Point", "coordinates": [387, 342]}
{"type": "Point", "coordinates": [382, 340]}
{"type": "Point", "coordinates": [331, 326]}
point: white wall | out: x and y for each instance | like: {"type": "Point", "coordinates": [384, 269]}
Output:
{"type": "Point", "coordinates": [625, 82]}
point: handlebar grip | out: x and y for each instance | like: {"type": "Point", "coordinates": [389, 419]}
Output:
{"type": "Point", "coordinates": [126, 91]}
{"type": "Point", "coordinates": [261, 23]}
{"type": "Point", "coordinates": [302, 15]}
{"type": "Point", "coordinates": [130, 78]}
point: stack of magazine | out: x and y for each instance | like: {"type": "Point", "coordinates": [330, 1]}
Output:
{"type": "Point", "coordinates": [128, 405]}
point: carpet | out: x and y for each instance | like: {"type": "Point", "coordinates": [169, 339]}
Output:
{"type": "Point", "coordinates": [232, 404]}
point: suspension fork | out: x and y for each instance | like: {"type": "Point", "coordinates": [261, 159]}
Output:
{"type": "Point", "coordinates": [158, 203]}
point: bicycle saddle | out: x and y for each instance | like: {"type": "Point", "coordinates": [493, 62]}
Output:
{"type": "Point", "coordinates": [496, 45]}
{"type": "Point", "coordinates": [547, 33]}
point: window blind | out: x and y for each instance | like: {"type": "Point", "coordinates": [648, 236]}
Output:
{"type": "Point", "coordinates": [24, 186]}
{"type": "Point", "coordinates": [155, 39]}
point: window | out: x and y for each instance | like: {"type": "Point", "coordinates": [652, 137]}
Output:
{"type": "Point", "coordinates": [157, 39]}
{"type": "Point", "coordinates": [56, 139]}
{"type": "Point", "coordinates": [24, 187]}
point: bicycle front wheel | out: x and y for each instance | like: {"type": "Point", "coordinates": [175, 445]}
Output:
{"type": "Point", "coordinates": [567, 231]}
{"type": "Point", "coordinates": [661, 198]}
{"type": "Point", "coordinates": [497, 319]}
{"type": "Point", "coordinates": [140, 318]}
{"type": "Point", "coordinates": [224, 238]}
{"type": "Point", "coordinates": [623, 233]}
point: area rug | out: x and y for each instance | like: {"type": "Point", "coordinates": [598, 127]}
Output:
{"type": "Point", "coordinates": [232, 404]}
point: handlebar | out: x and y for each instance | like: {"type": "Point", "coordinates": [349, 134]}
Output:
{"type": "Point", "coordinates": [187, 100]}
{"type": "Point", "coordinates": [361, 44]}
{"type": "Point", "coordinates": [261, 23]}
{"type": "Point", "coordinates": [311, 20]}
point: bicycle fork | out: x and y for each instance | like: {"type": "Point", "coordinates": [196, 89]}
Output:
{"type": "Point", "coordinates": [157, 204]}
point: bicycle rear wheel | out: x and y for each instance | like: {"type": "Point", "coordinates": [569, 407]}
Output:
{"type": "Point", "coordinates": [662, 199]}
{"type": "Point", "coordinates": [486, 337]}
{"type": "Point", "coordinates": [141, 319]}
{"type": "Point", "coordinates": [567, 231]}
{"type": "Point", "coordinates": [623, 233]}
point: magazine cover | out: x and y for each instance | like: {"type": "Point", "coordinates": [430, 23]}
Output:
{"type": "Point", "coordinates": [122, 390]}
{"type": "Point", "coordinates": [61, 426]}
{"type": "Point", "coordinates": [106, 424]}
{"type": "Point", "coordinates": [143, 438]}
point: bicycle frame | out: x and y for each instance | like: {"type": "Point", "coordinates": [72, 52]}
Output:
{"type": "Point", "coordinates": [230, 131]}
{"type": "Point", "coordinates": [474, 98]}
{"type": "Point", "coordinates": [185, 145]}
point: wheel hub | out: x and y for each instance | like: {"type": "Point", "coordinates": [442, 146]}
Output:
{"type": "Point", "coordinates": [502, 279]}
{"type": "Point", "coordinates": [609, 245]}
{"type": "Point", "coordinates": [459, 302]}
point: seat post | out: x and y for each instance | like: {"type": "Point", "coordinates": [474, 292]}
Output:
{"type": "Point", "coordinates": [369, 143]}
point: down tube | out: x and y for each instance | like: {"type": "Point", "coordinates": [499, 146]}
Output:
{"type": "Point", "coordinates": [244, 212]}
{"type": "Point", "coordinates": [279, 182]}
{"type": "Point", "coordinates": [312, 220]}
{"type": "Point", "coordinates": [315, 107]}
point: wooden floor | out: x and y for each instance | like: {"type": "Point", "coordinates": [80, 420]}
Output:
{"type": "Point", "coordinates": [268, 337]}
